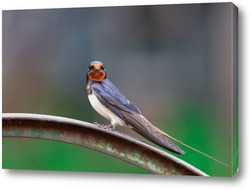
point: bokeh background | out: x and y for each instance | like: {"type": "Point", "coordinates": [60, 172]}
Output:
{"type": "Point", "coordinates": [173, 61]}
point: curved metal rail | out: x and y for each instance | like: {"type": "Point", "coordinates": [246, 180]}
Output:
{"type": "Point", "coordinates": [91, 136]}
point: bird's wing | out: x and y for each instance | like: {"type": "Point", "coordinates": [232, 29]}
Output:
{"type": "Point", "coordinates": [142, 126]}
{"type": "Point", "coordinates": [111, 97]}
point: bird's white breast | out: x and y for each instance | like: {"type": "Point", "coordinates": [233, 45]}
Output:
{"type": "Point", "coordinates": [105, 112]}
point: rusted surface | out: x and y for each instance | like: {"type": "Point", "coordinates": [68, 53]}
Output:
{"type": "Point", "coordinates": [91, 136]}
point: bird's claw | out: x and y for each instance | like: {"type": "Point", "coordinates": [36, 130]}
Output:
{"type": "Point", "coordinates": [109, 127]}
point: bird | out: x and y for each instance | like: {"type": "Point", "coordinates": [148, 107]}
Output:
{"type": "Point", "coordinates": [110, 103]}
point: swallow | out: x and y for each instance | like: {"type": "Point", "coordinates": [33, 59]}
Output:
{"type": "Point", "coordinates": [109, 102]}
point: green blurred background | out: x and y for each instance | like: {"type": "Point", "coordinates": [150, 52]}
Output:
{"type": "Point", "coordinates": [173, 62]}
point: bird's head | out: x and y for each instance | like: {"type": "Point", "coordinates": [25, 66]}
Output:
{"type": "Point", "coordinates": [96, 71]}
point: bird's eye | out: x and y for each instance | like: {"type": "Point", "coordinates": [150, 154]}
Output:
{"type": "Point", "coordinates": [91, 67]}
{"type": "Point", "coordinates": [102, 67]}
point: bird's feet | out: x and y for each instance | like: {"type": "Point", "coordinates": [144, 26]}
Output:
{"type": "Point", "coordinates": [108, 127]}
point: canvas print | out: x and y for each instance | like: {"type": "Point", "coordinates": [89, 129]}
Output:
{"type": "Point", "coordinates": [129, 89]}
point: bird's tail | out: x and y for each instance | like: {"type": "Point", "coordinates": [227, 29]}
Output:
{"type": "Point", "coordinates": [142, 126]}
{"type": "Point", "coordinates": [170, 137]}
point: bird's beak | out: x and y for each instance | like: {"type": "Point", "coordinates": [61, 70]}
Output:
{"type": "Point", "coordinates": [97, 69]}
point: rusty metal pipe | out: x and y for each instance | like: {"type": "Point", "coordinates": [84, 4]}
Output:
{"type": "Point", "coordinates": [90, 136]}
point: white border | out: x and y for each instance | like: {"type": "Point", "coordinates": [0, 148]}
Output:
{"type": "Point", "coordinates": [45, 179]}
